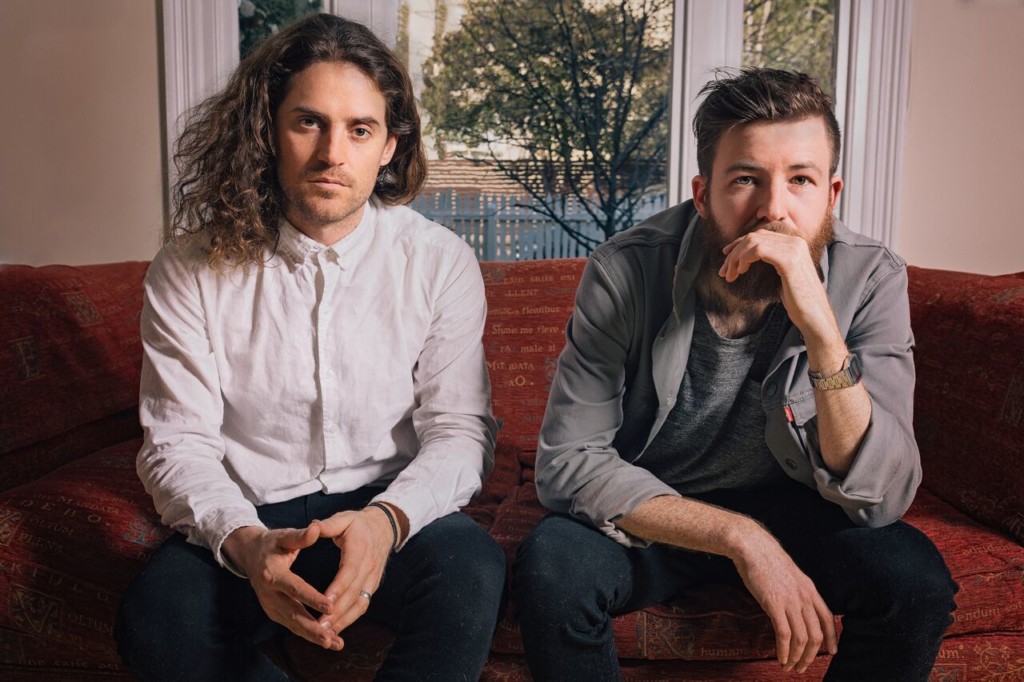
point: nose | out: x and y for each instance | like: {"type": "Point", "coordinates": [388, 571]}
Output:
{"type": "Point", "coordinates": [772, 207]}
{"type": "Point", "coordinates": [333, 147]}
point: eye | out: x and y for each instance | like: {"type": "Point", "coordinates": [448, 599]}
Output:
{"type": "Point", "coordinates": [743, 180]}
{"type": "Point", "coordinates": [802, 180]}
{"type": "Point", "coordinates": [308, 122]}
{"type": "Point", "coordinates": [361, 132]}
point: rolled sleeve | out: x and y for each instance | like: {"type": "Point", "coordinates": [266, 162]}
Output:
{"type": "Point", "coordinates": [886, 471]}
{"type": "Point", "coordinates": [579, 471]}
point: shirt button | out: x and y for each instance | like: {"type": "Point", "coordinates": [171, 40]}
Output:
{"type": "Point", "coordinates": [772, 390]}
{"type": "Point", "coordinates": [791, 464]}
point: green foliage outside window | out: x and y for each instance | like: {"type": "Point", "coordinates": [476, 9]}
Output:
{"type": "Point", "coordinates": [259, 19]}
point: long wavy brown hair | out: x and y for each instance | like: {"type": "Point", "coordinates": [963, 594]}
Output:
{"type": "Point", "coordinates": [227, 186]}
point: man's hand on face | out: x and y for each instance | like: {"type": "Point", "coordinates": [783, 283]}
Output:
{"type": "Point", "coordinates": [365, 539]}
{"type": "Point", "coordinates": [803, 294]}
{"type": "Point", "coordinates": [799, 615]}
{"type": "Point", "coordinates": [266, 557]}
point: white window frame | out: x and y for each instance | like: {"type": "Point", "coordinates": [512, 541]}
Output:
{"type": "Point", "coordinates": [872, 82]}
{"type": "Point", "coordinates": [200, 49]}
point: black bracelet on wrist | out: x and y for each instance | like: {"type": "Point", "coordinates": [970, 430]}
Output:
{"type": "Point", "coordinates": [391, 520]}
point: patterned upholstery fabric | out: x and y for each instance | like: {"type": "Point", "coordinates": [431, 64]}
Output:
{"type": "Point", "coordinates": [969, 400]}
{"type": "Point", "coordinates": [76, 525]}
{"type": "Point", "coordinates": [528, 305]}
{"type": "Point", "coordinates": [69, 363]}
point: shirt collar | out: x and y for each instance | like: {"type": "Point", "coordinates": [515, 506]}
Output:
{"type": "Point", "coordinates": [297, 248]}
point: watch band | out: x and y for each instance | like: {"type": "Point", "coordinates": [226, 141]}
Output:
{"type": "Point", "coordinates": [848, 376]}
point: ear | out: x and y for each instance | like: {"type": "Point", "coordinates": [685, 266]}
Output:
{"type": "Point", "coordinates": [699, 186]}
{"type": "Point", "coordinates": [389, 150]}
{"type": "Point", "coordinates": [835, 187]}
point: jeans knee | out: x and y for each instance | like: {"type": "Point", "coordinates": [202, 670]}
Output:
{"type": "Point", "coordinates": [538, 571]}
{"type": "Point", "coordinates": [456, 564]}
{"type": "Point", "coordinates": [928, 597]}
{"type": "Point", "coordinates": [913, 587]}
{"type": "Point", "coordinates": [483, 568]}
{"type": "Point", "coordinates": [557, 573]}
{"type": "Point", "coordinates": [146, 627]}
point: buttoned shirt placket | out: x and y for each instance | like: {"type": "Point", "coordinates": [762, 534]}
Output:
{"type": "Point", "coordinates": [329, 271]}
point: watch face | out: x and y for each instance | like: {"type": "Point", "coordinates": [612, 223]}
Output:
{"type": "Point", "coordinates": [854, 371]}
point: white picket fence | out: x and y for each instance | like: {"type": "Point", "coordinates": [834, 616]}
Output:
{"type": "Point", "coordinates": [504, 227]}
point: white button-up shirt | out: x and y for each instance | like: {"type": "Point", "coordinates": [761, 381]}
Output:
{"type": "Point", "coordinates": [327, 369]}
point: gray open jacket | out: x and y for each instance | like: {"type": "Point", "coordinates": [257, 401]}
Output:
{"type": "Point", "coordinates": [627, 346]}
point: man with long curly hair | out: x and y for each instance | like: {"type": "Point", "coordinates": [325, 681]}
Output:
{"type": "Point", "coordinates": [314, 396]}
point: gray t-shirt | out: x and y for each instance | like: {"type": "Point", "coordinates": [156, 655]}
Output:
{"type": "Point", "coordinates": [714, 437]}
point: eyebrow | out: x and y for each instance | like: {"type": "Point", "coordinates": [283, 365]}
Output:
{"type": "Point", "coordinates": [755, 168]}
{"type": "Point", "coordinates": [356, 120]}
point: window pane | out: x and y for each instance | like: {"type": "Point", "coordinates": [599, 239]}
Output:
{"type": "Point", "coordinates": [258, 19]}
{"type": "Point", "coordinates": [798, 35]}
{"type": "Point", "coordinates": [546, 122]}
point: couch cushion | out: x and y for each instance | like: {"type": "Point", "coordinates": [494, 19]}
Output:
{"type": "Point", "coordinates": [969, 399]}
{"type": "Point", "coordinates": [723, 623]}
{"type": "Point", "coordinates": [528, 304]}
{"type": "Point", "coordinates": [70, 356]}
{"type": "Point", "coordinates": [69, 545]}
{"type": "Point", "coordinates": [503, 479]}
{"type": "Point", "coordinates": [988, 566]}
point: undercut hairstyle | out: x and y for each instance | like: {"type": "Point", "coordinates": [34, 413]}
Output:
{"type": "Point", "coordinates": [227, 188]}
{"type": "Point", "coordinates": [756, 94]}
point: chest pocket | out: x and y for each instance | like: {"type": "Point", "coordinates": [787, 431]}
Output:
{"type": "Point", "coordinates": [791, 431]}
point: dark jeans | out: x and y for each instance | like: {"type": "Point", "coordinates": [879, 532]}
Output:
{"type": "Point", "coordinates": [186, 618]}
{"type": "Point", "coordinates": [890, 584]}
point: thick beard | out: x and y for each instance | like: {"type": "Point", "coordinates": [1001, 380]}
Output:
{"type": "Point", "coordinates": [761, 283]}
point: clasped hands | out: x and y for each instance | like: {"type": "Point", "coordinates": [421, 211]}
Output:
{"type": "Point", "coordinates": [266, 556]}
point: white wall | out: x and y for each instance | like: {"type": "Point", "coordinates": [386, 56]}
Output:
{"type": "Point", "coordinates": [80, 140]}
{"type": "Point", "coordinates": [962, 205]}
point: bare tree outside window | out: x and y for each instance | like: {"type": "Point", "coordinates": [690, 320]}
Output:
{"type": "Point", "coordinates": [547, 120]}
{"type": "Point", "coordinates": [566, 99]}
{"type": "Point", "coordinates": [798, 35]}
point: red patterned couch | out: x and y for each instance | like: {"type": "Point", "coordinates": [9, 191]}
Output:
{"type": "Point", "coordinates": [75, 524]}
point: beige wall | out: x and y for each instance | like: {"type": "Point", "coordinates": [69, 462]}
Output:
{"type": "Point", "coordinates": [963, 163]}
{"type": "Point", "coordinates": [80, 141]}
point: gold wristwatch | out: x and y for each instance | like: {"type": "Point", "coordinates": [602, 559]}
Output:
{"type": "Point", "coordinates": [848, 376]}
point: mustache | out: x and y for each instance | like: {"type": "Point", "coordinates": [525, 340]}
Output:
{"type": "Point", "coordinates": [779, 226]}
{"type": "Point", "coordinates": [327, 173]}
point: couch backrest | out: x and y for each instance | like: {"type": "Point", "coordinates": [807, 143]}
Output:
{"type": "Point", "coordinates": [969, 398]}
{"type": "Point", "coordinates": [70, 358]}
{"type": "Point", "coordinates": [528, 304]}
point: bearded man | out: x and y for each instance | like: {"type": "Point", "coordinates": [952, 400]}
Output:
{"type": "Point", "coordinates": [734, 404]}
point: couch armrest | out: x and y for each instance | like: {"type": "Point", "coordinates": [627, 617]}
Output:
{"type": "Point", "coordinates": [969, 399]}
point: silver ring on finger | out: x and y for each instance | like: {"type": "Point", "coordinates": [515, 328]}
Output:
{"type": "Point", "coordinates": [365, 595]}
